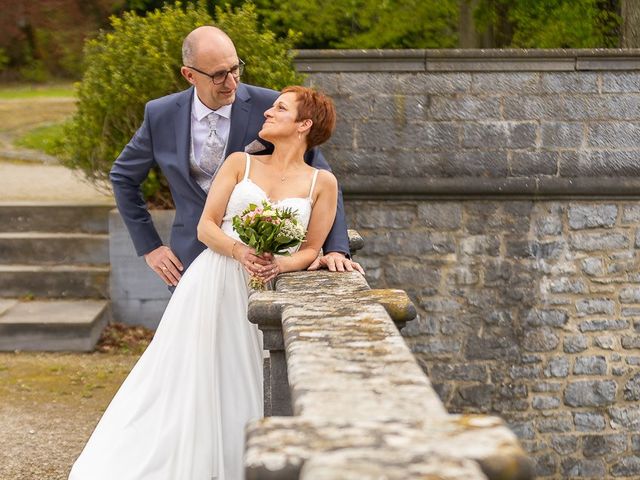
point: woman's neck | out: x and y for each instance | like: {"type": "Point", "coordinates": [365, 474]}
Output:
{"type": "Point", "coordinates": [285, 157]}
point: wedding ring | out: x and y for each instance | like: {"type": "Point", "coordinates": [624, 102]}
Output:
{"type": "Point", "coordinates": [164, 268]}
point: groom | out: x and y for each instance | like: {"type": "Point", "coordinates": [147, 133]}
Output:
{"type": "Point", "coordinates": [188, 135]}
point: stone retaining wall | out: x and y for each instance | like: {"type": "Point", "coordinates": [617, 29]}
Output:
{"type": "Point", "coordinates": [499, 189]}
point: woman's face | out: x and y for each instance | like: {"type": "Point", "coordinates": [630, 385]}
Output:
{"type": "Point", "coordinates": [280, 120]}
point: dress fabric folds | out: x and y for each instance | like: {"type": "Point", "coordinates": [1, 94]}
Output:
{"type": "Point", "coordinates": [181, 412]}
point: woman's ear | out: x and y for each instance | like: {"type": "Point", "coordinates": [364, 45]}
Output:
{"type": "Point", "coordinates": [305, 125]}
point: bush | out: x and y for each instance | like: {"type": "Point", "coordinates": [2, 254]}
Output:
{"type": "Point", "coordinates": [139, 60]}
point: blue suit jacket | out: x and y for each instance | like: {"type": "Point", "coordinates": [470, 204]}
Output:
{"type": "Point", "coordinates": [164, 139]}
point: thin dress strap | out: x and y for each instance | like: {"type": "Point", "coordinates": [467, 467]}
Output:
{"type": "Point", "coordinates": [246, 170]}
{"type": "Point", "coordinates": [313, 182]}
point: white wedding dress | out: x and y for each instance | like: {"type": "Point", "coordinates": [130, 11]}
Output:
{"type": "Point", "coordinates": [181, 412]}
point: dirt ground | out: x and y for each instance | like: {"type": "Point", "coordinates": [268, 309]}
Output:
{"type": "Point", "coordinates": [49, 405]}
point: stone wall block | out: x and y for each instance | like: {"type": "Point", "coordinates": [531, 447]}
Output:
{"type": "Point", "coordinates": [564, 444]}
{"type": "Point", "coordinates": [557, 367]}
{"type": "Point", "coordinates": [620, 82]}
{"type": "Point", "coordinates": [545, 403]}
{"type": "Point", "coordinates": [480, 245]}
{"type": "Point", "coordinates": [546, 318]}
{"type": "Point", "coordinates": [534, 163]}
{"type": "Point", "coordinates": [442, 136]}
{"type": "Point", "coordinates": [614, 135]}
{"type": "Point", "coordinates": [562, 134]}
{"type": "Point", "coordinates": [465, 107]}
{"type": "Point", "coordinates": [489, 135]}
{"type": "Point", "coordinates": [589, 421]}
{"type": "Point", "coordinates": [601, 325]}
{"type": "Point", "coordinates": [463, 372]}
{"type": "Point", "coordinates": [626, 467]}
{"type": "Point", "coordinates": [606, 342]}
{"type": "Point", "coordinates": [594, 241]}
{"type": "Point", "coordinates": [593, 266]}
{"type": "Point", "coordinates": [625, 417]}
{"type": "Point", "coordinates": [575, 343]}
{"type": "Point", "coordinates": [590, 393]}
{"type": "Point", "coordinates": [630, 295]}
{"type": "Point", "coordinates": [592, 216]}
{"type": "Point", "coordinates": [630, 342]}
{"type": "Point", "coordinates": [408, 242]}
{"type": "Point", "coordinates": [441, 216]}
{"type": "Point", "coordinates": [499, 82]}
{"type": "Point", "coordinates": [422, 325]}
{"type": "Point", "coordinates": [603, 445]}
{"type": "Point", "coordinates": [410, 273]}
{"type": "Point", "coordinates": [540, 340]}
{"type": "Point", "coordinates": [569, 82]}
{"type": "Point", "coordinates": [631, 214]}
{"type": "Point", "coordinates": [576, 467]}
{"type": "Point", "coordinates": [591, 365]}
{"type": "Point", "coordinates": [565, 285]}
{"type": "Point", "coordinates": [558, 422]}
{"type": "Point", "coordinates": [401, 108]}
{"type": "Point", "coordinates": [595, 306]}
{"type": "Point", "coordinates": [441, 83]}
{"type": "Point", "coordinates": [632, 388]}
{"type": "Point", "coordinates": [395, 216]}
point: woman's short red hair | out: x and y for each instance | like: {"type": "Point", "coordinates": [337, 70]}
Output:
{"type": "Point", "coordinates": [317, 107]}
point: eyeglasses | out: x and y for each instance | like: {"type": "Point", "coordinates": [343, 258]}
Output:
{"type": "Point", "coordinates": [218, 78]}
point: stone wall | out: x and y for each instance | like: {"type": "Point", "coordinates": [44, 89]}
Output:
{"type": "Point", "coordinates": [499, 189]}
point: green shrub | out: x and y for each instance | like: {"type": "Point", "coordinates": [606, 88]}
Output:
{"type": "Point", "coordinates": [140, 59]}
{"type": "Point", "coordinates": [4, 59]}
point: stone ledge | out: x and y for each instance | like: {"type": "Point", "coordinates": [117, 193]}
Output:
{"type": "Point", "coordinates": [376, 187]}
{"type": "Point", "coordinates": [360, 401]}
{"type": "Point", "coordinates": [460, 60]}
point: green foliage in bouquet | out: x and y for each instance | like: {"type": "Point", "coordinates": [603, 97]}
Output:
{"type": "Point", "coordinates": [139, 59]}
{"type": "Point", "coordinates": [268, 229]}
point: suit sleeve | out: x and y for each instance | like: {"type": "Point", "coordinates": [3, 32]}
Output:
{"type": "Point", "coordinates": [127, 174]}
{"type": "Point", "coordinates": [337, 240]}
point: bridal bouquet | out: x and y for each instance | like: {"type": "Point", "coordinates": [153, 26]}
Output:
{"type": "Point", "coordinates": [268, 229]}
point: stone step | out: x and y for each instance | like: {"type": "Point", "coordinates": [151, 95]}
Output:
{"type": "Point", "coordinates": [54, 217]}
{"type": "Point", "coordinates": [36, 248]}
{"type": "Point", "coordinates": [52, 325]}
{"type": "Point", "coordinates": [54, 281]}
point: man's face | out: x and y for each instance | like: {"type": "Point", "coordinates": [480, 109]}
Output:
{"type": "Point", "coordinates": [213, 61]}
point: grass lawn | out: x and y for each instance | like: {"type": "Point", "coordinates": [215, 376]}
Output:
{"type": "Point", "coordinates": [45, 139]}
{"type": "Point", "coordinates": [19, 91]}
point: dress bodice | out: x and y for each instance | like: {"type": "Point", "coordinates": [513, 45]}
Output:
{"type": "Point", "coordinates": [246, 192]}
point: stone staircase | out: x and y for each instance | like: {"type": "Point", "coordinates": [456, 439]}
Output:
{"type": "Point", "coordinates": [54, 276]}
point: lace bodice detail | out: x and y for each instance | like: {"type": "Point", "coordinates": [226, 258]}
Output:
{"type": "Point", "coordinates": [246, 192]}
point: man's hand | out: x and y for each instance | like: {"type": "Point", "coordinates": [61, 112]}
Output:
{"type": "Point", "coordinates": [336, 262]}
{"type": "Point", "coordinates": [164, 262]}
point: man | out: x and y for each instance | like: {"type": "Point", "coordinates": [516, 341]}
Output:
{"type": "Point", "coordinates": [188, 135]}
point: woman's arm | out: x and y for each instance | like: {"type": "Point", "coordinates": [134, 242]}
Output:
{"type": "Point", "coordinates": [322, 217]}
{"type": "Point", "coordinates": [209, 231]}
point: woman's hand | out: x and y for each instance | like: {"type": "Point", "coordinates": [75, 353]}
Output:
{"type": "Point", "coordinates": [271, 270]}
{"type": "Point", "coordinates": [251, 262]}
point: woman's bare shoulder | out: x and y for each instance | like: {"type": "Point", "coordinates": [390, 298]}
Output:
{"type": "Point", "coordinates": [326, 180]}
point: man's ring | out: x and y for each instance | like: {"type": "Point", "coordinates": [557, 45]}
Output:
{"type": "Point", "coordinates": [164, 268]}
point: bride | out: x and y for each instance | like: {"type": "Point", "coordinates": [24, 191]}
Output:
{"type": "Point", "coordinates": [181, 412]}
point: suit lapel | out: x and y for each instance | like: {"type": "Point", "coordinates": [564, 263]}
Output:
{"type": "Point", "coordinates": [182, 120]}
{"type": "Point", "coordinates": [239, 121]}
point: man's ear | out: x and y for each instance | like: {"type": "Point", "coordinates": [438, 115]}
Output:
{"type": "Point", "coordinates": [188, 75]}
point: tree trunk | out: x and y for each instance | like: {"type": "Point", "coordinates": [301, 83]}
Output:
{"type": "Point", "coordinates": [630, 29]}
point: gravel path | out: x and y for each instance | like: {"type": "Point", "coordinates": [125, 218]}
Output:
{"type": "Point", "coordinates": [49, 405]}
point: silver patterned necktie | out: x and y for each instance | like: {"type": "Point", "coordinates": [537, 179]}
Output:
{"type": "Point", "coordinates": [213, 148]}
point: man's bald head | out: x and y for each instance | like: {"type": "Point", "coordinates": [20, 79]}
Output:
{"type": "Point", "coordinates": [204, 38]}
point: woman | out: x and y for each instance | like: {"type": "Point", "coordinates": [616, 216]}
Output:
{"type": "Point", "coordinates": [181, 412]}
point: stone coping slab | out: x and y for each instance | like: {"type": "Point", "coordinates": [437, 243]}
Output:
{"type": "Point", "coordinates": [360, 401]}
{"type": "Point", "coordinates": [475, 60]}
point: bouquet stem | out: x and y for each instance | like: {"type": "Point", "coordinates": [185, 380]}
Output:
{"type": "Point", "coordinates": [256, 283]}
